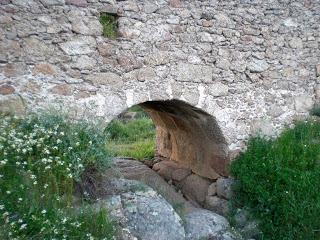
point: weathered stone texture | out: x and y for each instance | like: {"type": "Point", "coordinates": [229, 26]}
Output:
{"type": "Point", "coordinates": [240, 62]}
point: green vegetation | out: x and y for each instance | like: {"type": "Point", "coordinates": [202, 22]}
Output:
{"type": "Point", "coordinates": [134, 138]}
{"type": "Point", "coordinates": [131, 131]}
{"type": "Point", "coordinates": [42, 157]}
{"type": "Point", "coordinates": [279, 182]}
{"type": "Point", "coordinates": [143, 149]}
{"type": "Point", "coordinates": [315, 111]}
{"type": "Point", "coordinates": [109, 24]}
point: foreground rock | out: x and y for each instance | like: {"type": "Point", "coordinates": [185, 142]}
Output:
{"type": "Point", "coordinates": [131, 169]}
{"type": "Point", "coordinates": [142, 213]}
{"type": "Point", "coordinates": [204, 224]}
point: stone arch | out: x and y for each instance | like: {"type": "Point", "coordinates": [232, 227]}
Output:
{"type": "Point", "coordinates": [189, 136]}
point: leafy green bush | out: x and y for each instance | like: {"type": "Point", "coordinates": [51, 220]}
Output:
{"type": "Point", "coordinates": [279, 182]}
{"type": "Point", "coordinates": [315, 111]}
{"type": "Point", "coordinates": [109, 24]}
{"type": "Point", "coordinates": [41, 158]}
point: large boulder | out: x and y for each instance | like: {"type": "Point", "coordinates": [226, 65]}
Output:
{"type": "Point", "coordinates": [142, 212]}
{"type": "Point", "coordinates": [204, 224]}
{"type": "Point", "coordinates": [135, 170]}
{"type": "Point", "coordinates": [195, 188]}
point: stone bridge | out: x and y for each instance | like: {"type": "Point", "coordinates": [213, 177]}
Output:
{"type": "Point", "coordinates": [210, 73]}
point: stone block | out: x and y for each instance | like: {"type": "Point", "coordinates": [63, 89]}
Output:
{"type": "Point", "coordinates": [106, 78]}
{"type": "Point", "coordinates": [180, 174]}
{"type": "Point", "coordinates": [224, 187]}
{"type": "Point", "coordinates": [79, 45]}
{"type": "Point", "coordinates": [303, 103]}
{"type": "Point", "coordinates": [212, 189]}
{"type": "Point", "coordinates": [185, 72]}
{"type": "Point", "coordinates": [218, 90]}
{"type": "Point", "coordinates": [195, 187]}
{"type": "Point", "coordinates": [217, 205]}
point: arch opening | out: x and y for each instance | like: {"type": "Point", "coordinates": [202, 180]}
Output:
{"type": "Point", "coordinates": [185, 137]}
{"type": "Point", "coordinates": [189, 136]}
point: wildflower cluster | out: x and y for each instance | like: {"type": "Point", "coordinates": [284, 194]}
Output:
{"type": "Point", "coordinates": [41, 158]}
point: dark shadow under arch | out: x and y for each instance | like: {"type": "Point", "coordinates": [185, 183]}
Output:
{"type": "Point", "coordinates": [189, 136]}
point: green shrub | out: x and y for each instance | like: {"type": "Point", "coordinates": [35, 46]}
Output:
{"type": "Point", "coordinates": [109, 24]}
{"type": "Point", "coordinates": [315, 111]}
{"type": "Point", "coordinates": [41, 159]}
{"type": "Point", "coordinates": [279, 182]}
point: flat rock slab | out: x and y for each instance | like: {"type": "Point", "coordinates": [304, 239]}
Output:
{"type": "Point", "coordinates": [143, 213]}
{"type": "Point", "coordinates": [135, 170]}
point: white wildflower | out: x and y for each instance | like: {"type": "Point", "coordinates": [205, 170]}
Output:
{"type": "Point", "coordinates": [23, 226]}
{"type": "Point", "coordinates": [3, 162]}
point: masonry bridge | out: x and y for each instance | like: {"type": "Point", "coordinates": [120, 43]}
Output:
{"type": "Point", "coordinates": [210, 73]}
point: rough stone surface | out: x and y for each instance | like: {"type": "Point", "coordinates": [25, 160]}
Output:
{"type": "Point", "coordinates": [204, 224]}
{"type": "Point", "coordinates": [180, 174]}
{"type": "Point", "coordinates": [80, 45]}
{"type": "Point", "coordinates": [44, 68]}
{"type": "Point", "coordinates": [262, 58]}
{"type": "Point", "coordinates": [217, 205]}
{"type": "Point", "coordinates": [257, 66]}
{"type": "Point", "coordinates": [195, 187]}
{"type": "Point", "coordinates": [212, 189]}
{"type": "Point", "coordinates": [108, 78]}
{"type": "Point", "coordinates": [318, 70]}
{"type": "Point", "coordinates": [135, 170]}
{"type": "Point", "coordinates": [317, 92]}
{"type": "Point", "coordinates": [224, 187]}
{"type": "Point", "coordinates": [303, 103]}
{"type": "Point", "coordinates": [6, 89]}
{"type": "Point", "coordinates": [144, 212]}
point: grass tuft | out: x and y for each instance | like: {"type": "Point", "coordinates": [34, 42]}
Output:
{"type": "Point", "coordinates": [109, 24]}
{"type": "Point", "coordinates": [279, 182]}
{"type": "Point", "coordinates": [134, 138]}
{"type": "Point", "coordinates": [315, 111]}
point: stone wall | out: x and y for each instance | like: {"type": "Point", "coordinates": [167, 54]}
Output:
{"type": "Point", "coordinates": [252, 64]}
